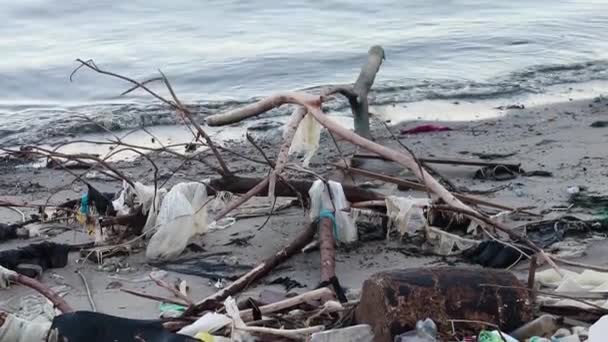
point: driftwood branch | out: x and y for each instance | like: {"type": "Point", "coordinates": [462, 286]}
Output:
{"type": "Point", "coordinates": [327, 249]}
{"type": "Point", "coordinates": [256, 273]}
{"type": "Point", "coordinates": [357, 95]}
{"type": "Point", "coordinates": [57, 301]}
{"type": "Point", "coordinates": [362, 86]}
{"type": "Point", "coordinates": [322, 294]}
{"type": "Point", "coordinates": [240, 185]}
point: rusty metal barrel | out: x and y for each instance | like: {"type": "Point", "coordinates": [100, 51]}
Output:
{"type": "Point", "coordinates": [392, 302]}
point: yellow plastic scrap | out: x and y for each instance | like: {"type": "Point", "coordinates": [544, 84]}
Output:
{"type": "Point", "coordinates": [207, 337]}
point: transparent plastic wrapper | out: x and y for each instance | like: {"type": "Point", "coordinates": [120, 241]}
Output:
{"type": "Point", "coordinates": [447, 244]}
{"type": "Point", "coordinates": [182, 215]}
{"type": "Point", "coordinates": [139, 195]}
{"type": "Point", "coordinates": [321, 204]}
{"type": "Point", "coordinates": [306, 138]}
{"type": "Point", "coordinates": [406, 213]}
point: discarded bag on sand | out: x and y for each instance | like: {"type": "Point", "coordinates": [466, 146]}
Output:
{"type": "Point", "coordinates": [182, 215]}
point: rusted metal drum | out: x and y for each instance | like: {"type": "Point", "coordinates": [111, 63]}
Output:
{"type": "Point", "coordinates": [392, 302]}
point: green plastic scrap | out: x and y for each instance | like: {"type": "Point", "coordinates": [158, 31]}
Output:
{"type": "Point", "coordinates": [487, 336]}
{"type": "Point", "coordinates": [170, 307]}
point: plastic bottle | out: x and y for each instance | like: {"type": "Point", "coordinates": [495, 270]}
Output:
{"type": "Point", "coordinates": [543, 325]}
{"type": "Point", "coordinates": [426, 331]}
{"type": "Point", "coordinates": [356, 333]}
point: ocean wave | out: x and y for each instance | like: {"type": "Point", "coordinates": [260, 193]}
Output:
{"type": "Point", "coordinates": [34, 124]}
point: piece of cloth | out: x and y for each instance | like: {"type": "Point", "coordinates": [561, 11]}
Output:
{"type": "Point", "coordinates": [97, 327]}
{"type": "Point", "coordinates": [16, 329]}
{"type": "Point", "coordinates": [45, 254]}
{"type": "Point", "coordinates": [7, 232]}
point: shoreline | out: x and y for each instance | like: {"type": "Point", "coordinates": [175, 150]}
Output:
{"type": "Point", "coordinates": [556, 138]}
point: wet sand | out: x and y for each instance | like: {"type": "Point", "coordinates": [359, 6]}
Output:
{"type": "Point", "coordinates": [557, 138]}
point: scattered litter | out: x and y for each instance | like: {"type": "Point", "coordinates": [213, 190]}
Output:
{"type": "Point", "coordinates": [599, 124]}
{"type": "Point", "coordinates": [181, 216]}
{"type": "Point", "coordinates": [355, 333]}
{"type": "Point", "coordinates": [306, 138]}
{"type": "Point", "coordinates": [498, 172]}
{"type": "Point", "coordinates": [426, 331]}
{"type": "Point", "coordinates": [446, 244]}
{"type": "Point", "coordinates": [322, 204]}
{"type": "Point", "coordinates": [47, 255]}
{"type": "Point", "coordinates": [208, 323]}
{"type": "Point", "coordinates": [170, 310]}
{"type": "Point", "coordinates": [406, 214]}
{"type": "Point", "coordinates": [211, 267]}
{"type": "Point", "coordinates": [287, 282]}
{"type": "Point", "coordinates": [98, 327]}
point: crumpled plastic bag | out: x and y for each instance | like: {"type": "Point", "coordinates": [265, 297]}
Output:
{"type": "Point", "coordinates": [306, 138]}
{"type": "Point", "coordinates": [182, 214]}
{"type": "Point", "coordinates": [209, 323]}
{"type": "Point", "coordinates": [5, 277]}
{"type": "Point", "coordinates": [406, 214]}
{"type": "Point", "coordinates": [320, 201]}
{"type": "Point", "coordinates": [587, 281]}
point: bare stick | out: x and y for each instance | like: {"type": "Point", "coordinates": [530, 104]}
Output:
{"type": "Point", "coordinates": [86, 287]}
{"type": "Point", "coordinates": [260, 107]}
{"type": "Point", "coordinates": [503, 228]}
{"type": "Point", "coordinates": [257, 272]}
{"type": "Point", "coordinates": [242, 199]}
{"type": "Point", "coordinates": [445, 161]}
{"type": "Point", "coordinates": [57, 301]}
{"type": "Point", "coordinates": [420, 187]}
{"type": "Point", "coordinates": [156, 298]}
{"type": "Point", "coordinates": [322, 294]}
{"type": "Point", "coordinates": [198, 127]}
{"type": "Point", "coordinates": [175, 105]}
{"type": "Point", "coordinates": [171, 289]}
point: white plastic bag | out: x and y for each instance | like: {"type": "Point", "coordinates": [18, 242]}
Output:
{"type": "Point", "coordinates": [406, 213]}
{"type": "Point", "coordinates": [346, 231]}
{"type": "Point", "coordinates": [306, 138]}
{"type": "Point", "coordinates": [182, 215]}
{"type": "Point", "coordinates": [210, 322]}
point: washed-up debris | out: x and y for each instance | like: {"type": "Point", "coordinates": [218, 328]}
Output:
{"type": "Point", "coordinates": [46, 255]}
{"type": "Point", "coordinates": [355, 333]}
{"type": "Point", "coordinates": [415, 305]}
{"type": "Point", "coordinates": [498, 172]}
{"type": "Point", "coordinates": [287, 282]}
{"type": "Point", "coordinates": [599, 124]}
{"type": "Point", "coordinates": [98, 327]}
{"type": "Point", "coordinates": [426, 331]}
{"type": "Point", "coordinates": [393, 302]}
{"type": "Point", "coordinates": [212, 267]}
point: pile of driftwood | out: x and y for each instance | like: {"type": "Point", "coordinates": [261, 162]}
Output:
{"type": "Point", "coordinates": [445, 198]}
